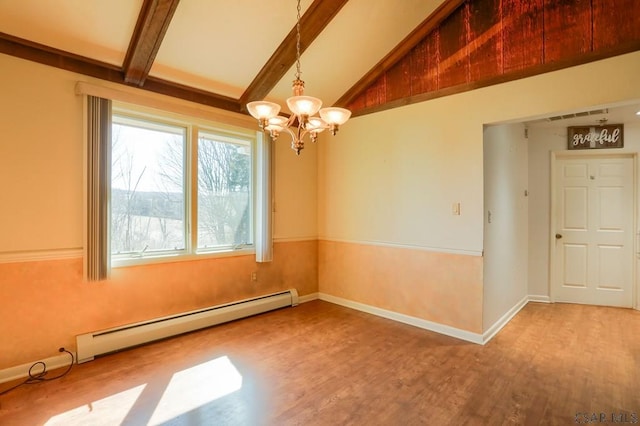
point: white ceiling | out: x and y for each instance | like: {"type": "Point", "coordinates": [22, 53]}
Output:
{"type": "Point", "coordinates": [97, 29]}
{"type": "Point", "coordinates": [221, 45]}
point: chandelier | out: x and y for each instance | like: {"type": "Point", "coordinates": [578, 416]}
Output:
{"type": "Point", "coordinates": [303, 121]}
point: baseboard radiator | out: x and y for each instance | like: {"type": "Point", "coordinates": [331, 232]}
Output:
{"type": "Point", "coordinates": [105, 341]}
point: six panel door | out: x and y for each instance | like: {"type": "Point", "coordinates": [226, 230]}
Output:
{"type": "Point", "coordinates": [594, 231]}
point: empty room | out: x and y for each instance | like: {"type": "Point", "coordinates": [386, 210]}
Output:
{"type": "Point", "coordinates": [319, 212]}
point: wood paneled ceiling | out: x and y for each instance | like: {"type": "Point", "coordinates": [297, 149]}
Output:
{"type": "Point", "coordinates": [367, 55]}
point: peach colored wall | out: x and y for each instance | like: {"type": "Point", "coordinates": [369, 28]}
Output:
{"type": "Point", "coordinates": [45, 304]}
{"type": "Point", "coordinates": [439, 287]}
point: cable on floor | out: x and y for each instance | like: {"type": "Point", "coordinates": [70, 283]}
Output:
{"type": "Point", "coordinates": [35, 378]}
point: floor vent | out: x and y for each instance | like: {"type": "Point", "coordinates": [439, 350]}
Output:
{"type": "Point", "coordinates": [105, 341]}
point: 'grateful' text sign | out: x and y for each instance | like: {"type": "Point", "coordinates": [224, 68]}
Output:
{"type": "Point", "coordinates": [595, 137]}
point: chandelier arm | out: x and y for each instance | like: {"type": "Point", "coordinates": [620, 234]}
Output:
{"type": "Point", "coordinates": [291, 120]}
{"type": "Point", "coordinates": [304, 133]}
{"type": "Point", "coordinates": [289, 131]}
{"type": "Point", "coordinates": [291, 134]}
{"type": "Point", "coordinates": [301, 133]}
{"type": "Point", "coordinates": [299, 130]}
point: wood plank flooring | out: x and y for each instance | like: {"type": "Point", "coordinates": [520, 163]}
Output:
{"type": "Point", "coordinates": [322, 364]}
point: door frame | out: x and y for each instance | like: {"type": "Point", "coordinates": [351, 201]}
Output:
{"type": "Point", "coordinates": [553, 269]}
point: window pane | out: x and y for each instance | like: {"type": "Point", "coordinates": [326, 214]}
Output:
{"type": "Point", "coordinates": [147, 187]}
{"type": "Point", "coordinates": [224, 192]}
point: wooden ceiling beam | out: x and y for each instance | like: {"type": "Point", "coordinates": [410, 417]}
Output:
{"type": "Point", "coordinates": [192, 94]}
{"type": "Point", "coordinates": [46, 55]}
{"type": "Point", "coordinates": [314, 20]}
{"type": "Point", "coordinates": [401, 50]}
{"type": "Point", "coordinates": [152, 24]}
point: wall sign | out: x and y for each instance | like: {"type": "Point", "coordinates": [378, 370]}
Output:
{"type": "Point", "coordinates": [596, 137]}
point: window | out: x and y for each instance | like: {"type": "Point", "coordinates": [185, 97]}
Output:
{"type": "Point", "coordinates": [178, 188]}
{"type": "Point", "coordinates": [224, 192]}
{"type": "Point", "coordinates": [147, 187]}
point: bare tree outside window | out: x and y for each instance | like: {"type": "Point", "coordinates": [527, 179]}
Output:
{"type": "Point", "coordinates": [224, 193]}
{"type": "Point", "coordinates": [147, 195]}
{"type": "Point", "coordinates": [150, 189]}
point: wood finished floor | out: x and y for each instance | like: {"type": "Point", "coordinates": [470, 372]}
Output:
{"type": "Point", "coordinates": [322, 364]}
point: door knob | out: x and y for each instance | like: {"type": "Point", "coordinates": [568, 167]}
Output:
{"type": "Point", "coordinates": [558, 236]}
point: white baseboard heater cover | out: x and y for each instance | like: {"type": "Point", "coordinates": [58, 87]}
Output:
{"type": "Point", "coordinates": [101, 342]}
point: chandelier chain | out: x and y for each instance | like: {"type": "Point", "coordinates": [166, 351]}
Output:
{"type": "Point", "coordinates": [302, 122]}
{"type": "Point", "coordinates": [298, 73]}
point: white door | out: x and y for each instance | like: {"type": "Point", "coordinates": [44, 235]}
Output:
{"type": "Point", "coordinates": [594, 231]}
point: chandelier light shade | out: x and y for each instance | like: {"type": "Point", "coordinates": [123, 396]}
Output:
{"type": "Point", "coordinates": [263, 111]}
{"type": "Point", "coordinates": [303, 120]}
{"type": "Point", "coordinates": [334, 117]}
{"type": "Point", "coordinates": [304, 105]}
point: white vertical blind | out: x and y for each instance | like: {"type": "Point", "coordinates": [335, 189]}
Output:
{"type": "Point", "coordinates": [264, 201]}
{"type": "Point", "coordinates": [97, 257]}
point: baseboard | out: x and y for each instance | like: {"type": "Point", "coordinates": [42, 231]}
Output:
{"type": "Point", "coordinates": [504, 320]}
{"type": "Point", "coordinates": [539, 298]}
{"type": "Point", "coordinates": [406, 319]}
{"type": "Point", "coordinates": [22, 371]}
{"type": "Point", "coordinates": [308, 297]}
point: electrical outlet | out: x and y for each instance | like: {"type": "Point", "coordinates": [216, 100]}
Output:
{"type": "Point", "coordinates": [254, 276]}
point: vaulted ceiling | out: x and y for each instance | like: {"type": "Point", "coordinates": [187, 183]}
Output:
{"type": "Point", "coordinates": [367, 55]}
{"type": "Point", "coordinates": [222, 53]}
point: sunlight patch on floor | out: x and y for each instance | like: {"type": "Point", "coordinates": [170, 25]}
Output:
{"type": "Point", "coordinates": [197, 386]}
{"type": "Point", "coordinates": [114, 408]}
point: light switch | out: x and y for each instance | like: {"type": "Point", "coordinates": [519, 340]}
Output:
{"type": "Point", "coordinates": [455, 209]}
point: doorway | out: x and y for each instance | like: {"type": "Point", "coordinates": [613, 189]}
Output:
{"type": "Point", "coordinates": [592, 229]}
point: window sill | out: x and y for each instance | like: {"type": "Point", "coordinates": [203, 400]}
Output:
{"type": "Point", "coordinates": [169, 258]}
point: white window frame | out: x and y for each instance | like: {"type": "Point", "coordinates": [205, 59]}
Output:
{"type": "Point", "coordinates": [193, 127]}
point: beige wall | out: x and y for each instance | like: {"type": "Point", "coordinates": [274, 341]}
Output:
{"type": "Point", "coordinates": [506, 235]}
{"type": "Point", "coordinates": [45, 304]}
{"type": "Point", "coordinates": [40, 158]}
{"type": "Point", "coordinates": [295, 188]}
{"type": "Point", "coordinates": [391, 177]}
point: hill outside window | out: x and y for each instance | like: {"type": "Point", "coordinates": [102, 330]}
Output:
{"type": "Point", "coordinates": [165, 186]}
{"type": "Point", "coordinates": [178, 189]}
